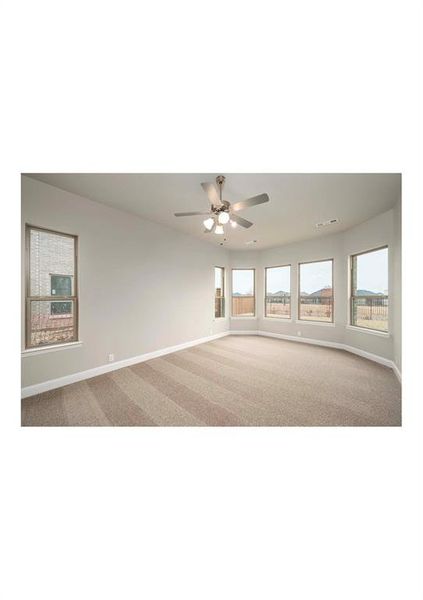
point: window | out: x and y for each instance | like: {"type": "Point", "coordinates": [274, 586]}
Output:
{"type": "Point", "coordinates": [369, 290]}
{"type": "Point", "coordinates": [51, 288]}
{"type": "Point", "coordinates": [278, 292]}
{"type": "Point", "coordinates": [243, 293]}
{"type": "Point", "coordinates": [219, 300]}
{"type": "Point", "coordinates": [316, 291]}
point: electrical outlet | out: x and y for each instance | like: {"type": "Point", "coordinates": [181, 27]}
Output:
{"type": "Point", "coordinates": [299, 333]}
{"type": "Point", "coordinates": [111, 357]}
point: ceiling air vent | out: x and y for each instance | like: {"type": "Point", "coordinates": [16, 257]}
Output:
{"type": "Point", "coordinates": [327, 223]}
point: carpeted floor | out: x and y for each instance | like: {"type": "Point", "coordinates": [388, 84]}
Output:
{"type": "Point", "coordinates": [235, 380]}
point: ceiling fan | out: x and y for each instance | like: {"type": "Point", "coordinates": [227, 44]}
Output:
{"type": "Point", "coordinates": [221, 211]}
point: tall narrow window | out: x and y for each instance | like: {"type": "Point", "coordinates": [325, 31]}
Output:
{"type": "Point", "coordinates": [243, 293]}
{"type": "Point", "coordinates": [51, 288]}
{"type": "Point", "coordinates": [369, 290]}
{"type": "Point", "coordinates": [316, 291]}
{"type": "Point", "coordinates": [219, 285]}
{"type": "Point", "coordinates": [278, 292]}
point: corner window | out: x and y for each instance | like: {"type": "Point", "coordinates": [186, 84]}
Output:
{"type": "Point", "coordinates": [51, 288]}
{"type": "Point", "coordinates": [243, 293]}
{"type": "Point", "coordinates": [316, 291]}
{"type": "Point", "coordinates": [219, 286]}
{"type": "Point", "coordinates": [278, 292]}
{"type": "Point", "coordinates": [369, 290]}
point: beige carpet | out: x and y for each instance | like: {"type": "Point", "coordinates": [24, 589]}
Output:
{"type": "Point", "coordinates": [235, 380]}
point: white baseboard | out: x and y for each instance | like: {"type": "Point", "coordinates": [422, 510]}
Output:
{"type": "Point", "coordinates": [328, 344]}
{"type": "Point", "coordinates": [374, 357]}
{"type": "Point", "coordinates": [52, 384]}
{"type": "Point", "coordinates": [240, 332]}
{"type": "Point", "coordinates": [304, 340]}
{"type": "Point", "coordinates": [397, 371]}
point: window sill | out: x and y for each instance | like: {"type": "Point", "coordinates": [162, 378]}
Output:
{"type": "Point", "coordinates": [384, 334]}
{"type": "Point", "coordinates": [319, 323]}
{"type": "Point", "coordinates": [46, 349]}
{"type": "Point", "coordinates": [243, 318]}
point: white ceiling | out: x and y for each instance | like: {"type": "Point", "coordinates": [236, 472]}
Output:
{"type": "Point", "coordinates": [297, 201]}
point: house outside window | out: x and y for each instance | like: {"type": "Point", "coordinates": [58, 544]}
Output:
{"type": "Point", "coordinates": [51, 288]}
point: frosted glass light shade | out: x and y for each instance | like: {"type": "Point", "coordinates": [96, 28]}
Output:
{"type": "Point", "coordinates": [208, 223]}
{"type": "Point", "coordinates": [219, 229]}
{"type": "Point", "coordinates": [234, 224]}
{"type": "Point", "coordinates": [223, 218]}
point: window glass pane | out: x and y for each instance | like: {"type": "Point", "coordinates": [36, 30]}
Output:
{"type": "Point", "coordinates": [61, 308]}
{"type": "Point", "coordinates": [61, 285]}
{"type": "Point", "coordinates": [219, 308]}
{"type": "Point", "coordinates": [243, 282]}
{"type": "Point", "coordinates": [278, 292]}
{"type": "Point", "coordinates": [369, 288]}
{"type": "Point", "coordinates": [243, 302]}
{"type": "Point", "coordinates": [316, 293]}
{"type": "Point", "coordinates": [219, 281]}
{"type": "Point", "coordinates": [50, 254]}
{"type": "Point", "coordinates": [49, 327]}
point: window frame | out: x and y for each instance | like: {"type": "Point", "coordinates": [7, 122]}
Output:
{"type": "Point", "coordinates": [253, 316]}
{"type": "Point", "coordinates": [308, 262]}
{"type": "Point", "coordinates": [289, 318]}
{"type": "Point", "coordinates": [381, 332]}
{"type": "Point", "coordinates": [222, 297]}
{"type": "Point", "coordinates": [29, 299]}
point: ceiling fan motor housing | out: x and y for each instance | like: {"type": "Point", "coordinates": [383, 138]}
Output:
{"type": "Point", "coordinates": [223, 208]}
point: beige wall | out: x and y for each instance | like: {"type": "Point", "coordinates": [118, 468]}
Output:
{"type": "Point", "coordinates": [143, 287]}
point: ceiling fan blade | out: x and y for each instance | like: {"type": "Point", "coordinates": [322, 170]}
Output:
{"type": "Point", "coordinates": [212, 193]}
{"type": "Point", "coordinates": [190, 214]}
{"type": "Point", "coordinates": [241, 221]}
{"type": "Point", "coordinates": [260, 199]}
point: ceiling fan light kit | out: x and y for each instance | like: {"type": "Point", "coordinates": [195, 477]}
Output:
{"type": "Point", "coordinates": [221, 211]}
{"type": "Point", "coordinates": [209, 223]}
{"type": "Point", "coordinates": [223, 217]}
